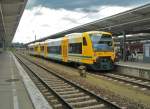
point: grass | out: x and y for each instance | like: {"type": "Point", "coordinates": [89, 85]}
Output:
{"type": "Point", "coordinates": [122, 90]}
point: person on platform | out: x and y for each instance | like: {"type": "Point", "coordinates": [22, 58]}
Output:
{"type": "Point", "coordinates": [134, 55]}
{"type": "Point", "coordinates": [128, 54]}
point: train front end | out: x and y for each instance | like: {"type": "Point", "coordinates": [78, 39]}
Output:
{"type": "Point", "coordinates": [103, 50]}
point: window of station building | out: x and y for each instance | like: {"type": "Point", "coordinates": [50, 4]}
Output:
{"type": "Point", "coordinates": [75, 48]}
{"type": "Point", "coordinates": [84, 41]}
{"type": "Point", "coordinates": [54, 49]}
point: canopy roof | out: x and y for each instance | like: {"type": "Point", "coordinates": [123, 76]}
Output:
{"type": "Point", "coordinates": [10, 14]}
{"type": "Point", "coordinates": [136, 20]}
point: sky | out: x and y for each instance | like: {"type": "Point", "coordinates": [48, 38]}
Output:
{"type": "Point", "coordinates": [43, 18]}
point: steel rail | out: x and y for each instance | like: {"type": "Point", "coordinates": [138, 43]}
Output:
{"type": "Point", "coordinates": [68, 106]}
{"type": "Point", "coordinates": [127, 81]}
{"type": "Point", "coordinates": [106, 102]}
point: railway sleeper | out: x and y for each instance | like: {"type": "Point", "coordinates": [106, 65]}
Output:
{"type": "Point", "coordinates": [58, 106]}
{"type": "Point", "coordinates": [73, 95]}
{"type": "Point", "coordinates": [65, 89]}
{"type": "Point", "coordinates": [57, 84]}
{"type": "Point", "coordinates": [59, 87]}
{"type": "Point", "coordinates": [45, 90]}
{"type": "Point", "coordinates": [130, 79]}
{"type": "Point", "coordinates": [47, 94]}
{"type": "Point", "coordinates": [42, 88]}
{"type": "Point", "coordinates": [78, 99]}
{"type": "Point", "coordinates": [48, 81]}
{"type": "Point", "coordinates": [84, 103]}
{"type": "Point", "coordinates": [35, 80]}
{"type": "Point", "coordinates": [68, 92]}
{"type": "Point", "coordinates": [50, 97]}
{"type": "Point", "coordinates": [51, 78]}
{"type": "Point", "coordinates": [53, 101]}
{"type": "Point", "coordinates": [145, 82]}
{"type": "Point", "coordinates": [138, 81]}
{"type": "Point", "coordinates": [98, 106]}
{"type": "Point", "coordinates": [38, 84]}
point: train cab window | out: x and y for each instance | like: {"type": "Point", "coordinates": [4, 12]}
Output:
{"type": "Point", "coordinates": [75, 48]}
{"type": "Point", "coordinates": [84, 41]}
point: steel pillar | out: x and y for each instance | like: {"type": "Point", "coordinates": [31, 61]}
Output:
{"type": "Point", "coordinates": [3, 44]}
{"type": "Point", "coordinates": [124, 46]}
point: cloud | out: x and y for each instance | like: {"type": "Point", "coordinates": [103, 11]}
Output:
{"type": "Point", "coordinates": [43, 21]}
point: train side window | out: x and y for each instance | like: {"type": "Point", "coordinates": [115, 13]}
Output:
{"type": "Point", "coordinates": [84, 41]}
{"type": "Point", "coordinates": [42, 48]}
{"type": "Point", "coordinates": [54, 49]}
{"type": "Point", "coordinates": [36, 48]}
{"type": "Point", "coordinates": [75, 48]}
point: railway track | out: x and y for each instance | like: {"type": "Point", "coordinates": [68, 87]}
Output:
{"type": "Point", "coordinates": [62, 93]}
{"type": "Point", "coordinates": [143, 84]}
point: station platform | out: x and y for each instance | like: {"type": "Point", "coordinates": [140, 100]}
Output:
{"type": "Point", "coordinates": [17, 91]}
{"type": "Point", "coordinates": [139, 65]}
{"type": "Point", "coordinates": [138, 69]}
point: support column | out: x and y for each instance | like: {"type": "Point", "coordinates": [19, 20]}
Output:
{"type": "Point", "coordinates": [121, 49]}
{"type": "Point", "coordinates": [3, 44]}
{"type": "Point", "coordinates": [124, 46]}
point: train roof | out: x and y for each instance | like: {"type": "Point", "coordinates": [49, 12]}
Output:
{"type": "Point", "coordinates": [51, 40]}
{"type": "Point", "coordinates": [43, 42]}
{"type": "Point", "coordinates": [74, 35]}
{"type": "Point", "coordinates": [101, 32]}
{"type": "Point", "coordinates": [31, 44]}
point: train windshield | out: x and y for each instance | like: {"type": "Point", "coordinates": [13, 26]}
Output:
{"type": "Point", "coordinates": [101, 42]}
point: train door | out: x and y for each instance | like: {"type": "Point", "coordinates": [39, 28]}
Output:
{"type": "Point", "coordinates": [86, 49]}
{"type": "Point", "coordinates": [38, 49]}
{"type": "Point", "coordinates": [65, 49]}
{"type": "Point", "coordinates": [45, 50]}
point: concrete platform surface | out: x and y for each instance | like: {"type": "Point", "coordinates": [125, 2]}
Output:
{"type": "Point", "coordinates": [138, 65]}
{"type": "Point", "coordinates": [14, 90]}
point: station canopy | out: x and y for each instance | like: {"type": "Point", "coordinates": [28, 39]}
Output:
{"type": "Point", "coordinates": [10, 14]}
{"type": "Point", "coordinates": [134, 37]}
{"type": "Point", "coordinates": [133, 21]}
